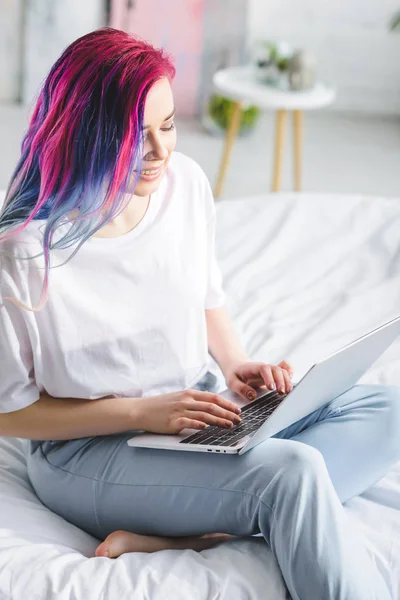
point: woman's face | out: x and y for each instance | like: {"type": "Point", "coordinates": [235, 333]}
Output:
{"type": "Point", "coordinates": [159, 135]}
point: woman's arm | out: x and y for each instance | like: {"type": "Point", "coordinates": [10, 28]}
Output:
{"type": "Point", "coordinates": [65, 419]}
{"type": "Point", "coordinates": [223, 342]}
{"type": "Point", "coordinates": [238, 370]}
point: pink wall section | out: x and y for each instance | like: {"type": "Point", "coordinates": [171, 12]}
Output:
{"type": "Point", "coordinates": [177, 26]}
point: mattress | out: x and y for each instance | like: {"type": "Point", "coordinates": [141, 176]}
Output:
{"type": "Point", "coordinates": [304, 274]}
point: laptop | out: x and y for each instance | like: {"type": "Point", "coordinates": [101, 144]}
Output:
{"type": "Point", "coordinates": [271, 411]}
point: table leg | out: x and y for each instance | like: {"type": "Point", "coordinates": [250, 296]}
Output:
{"type": "Point", "coordinates": [231, 134]}
{"type": "Point", "coordinates": [279, 140]}
{"type": "Point", "coordinates": [297, 146]}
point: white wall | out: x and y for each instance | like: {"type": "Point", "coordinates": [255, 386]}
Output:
{"type": "Point", "coordinates": [10, 50]}
{"type": "Point", "coordinates": [354, 49]}
{"type": "Point", "coordinates": [49, 28]}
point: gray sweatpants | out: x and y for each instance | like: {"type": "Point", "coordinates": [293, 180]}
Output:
{"type": "Point", "coordinates": [289, 488]}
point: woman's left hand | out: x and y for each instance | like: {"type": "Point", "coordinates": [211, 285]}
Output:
{"type": "Point", "coordinates": [245, 377]}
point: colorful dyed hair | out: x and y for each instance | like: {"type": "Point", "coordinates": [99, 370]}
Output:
{"type": "Point", "coordinates": [84, 140]}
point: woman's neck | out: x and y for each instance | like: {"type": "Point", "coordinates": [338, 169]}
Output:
{"type": "Point", "coordinates": [127, 220]}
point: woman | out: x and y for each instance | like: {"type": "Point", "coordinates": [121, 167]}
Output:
{"type": "Point", "coordinates": [118, 342]}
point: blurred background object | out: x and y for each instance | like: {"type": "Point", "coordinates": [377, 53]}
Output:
{"type": "Point", "coordinates": [241, 86]}
{"type": "Point", "coordinates": [219, 115]}
{"type": "Point", "coordinates": [395, 22]}
{"type": "Point", "coordinates": [354, 146]}
{"type": "Point", "coordinates": [302, 70]}
{"type": "Point", "coordinates": [271, 61]}
{"type": "Point", "coordinates": [202, 35]}
{"type": "Point", "coordinates": [33, 34]}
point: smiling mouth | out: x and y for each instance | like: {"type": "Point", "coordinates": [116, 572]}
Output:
{"type": "Point", "coordinates": [150, 172]}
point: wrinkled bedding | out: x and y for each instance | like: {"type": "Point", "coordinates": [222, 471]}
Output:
{"type": "Point", "coordinates": [304, 275]}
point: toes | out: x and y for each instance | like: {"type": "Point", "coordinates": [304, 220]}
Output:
{"type": "Point", "coordinates": [102, 550]}
{"type": "Point", "coordinates": [114, 544]}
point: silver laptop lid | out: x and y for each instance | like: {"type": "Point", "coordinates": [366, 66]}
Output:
{"type": "Point", "coordinates": [327, 379]}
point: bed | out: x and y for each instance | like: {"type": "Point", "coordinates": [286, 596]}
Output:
{"type": "Point", "coordinates": [304, 275]}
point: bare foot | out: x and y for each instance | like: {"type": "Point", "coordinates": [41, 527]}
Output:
{"type": "Point", "coordinates": [119, 542]}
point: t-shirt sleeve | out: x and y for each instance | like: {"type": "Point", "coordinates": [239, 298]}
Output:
{"type": "Point", "coordinates": [17, 384]}
{"type": "Point", "coordinates": [215, 296]}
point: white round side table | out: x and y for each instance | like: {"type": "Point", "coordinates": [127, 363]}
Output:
{"type": "Point", "coordinates": [240, 85]}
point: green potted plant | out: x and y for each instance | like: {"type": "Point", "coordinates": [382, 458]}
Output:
{"type": "Point", "coordinates": [218, 115]}
{"type": "Point", "coordinates": [271, 62]}
{"type": "Point", "coordinates": [394, 24]}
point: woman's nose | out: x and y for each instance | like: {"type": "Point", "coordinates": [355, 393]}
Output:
{"type": "Point", "coordinates": [158, 150]}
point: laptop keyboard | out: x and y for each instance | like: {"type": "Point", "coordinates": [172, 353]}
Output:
{"type": "Point", "coordinates": [253, 416]}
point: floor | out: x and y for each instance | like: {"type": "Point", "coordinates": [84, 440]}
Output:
{"type": "Point", "coordinates": [342, 153]}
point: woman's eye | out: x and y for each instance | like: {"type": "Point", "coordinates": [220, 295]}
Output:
{"type": "Point", "coordinates": [170, 128]}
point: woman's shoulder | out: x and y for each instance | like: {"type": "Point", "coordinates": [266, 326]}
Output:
{"type": "Point", "coordinates": [193, 179]}
{"type": "Point", "coordinates": [20, 245]}
{"type": "Point", "coordinates": [185, 166]}
{"type": "Point", "coordinates": [25, 241]}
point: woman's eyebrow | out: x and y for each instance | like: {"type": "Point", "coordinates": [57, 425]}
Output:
{"type": "Point", "coordinates": [166, 119]}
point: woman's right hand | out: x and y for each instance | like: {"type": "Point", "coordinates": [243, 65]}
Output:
{"type": "Point", "coordinates": [193, 409]}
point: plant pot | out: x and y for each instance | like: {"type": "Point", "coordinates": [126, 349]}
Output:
{"type": "Point", "coordinates": [216, 130]}
{"type": "Point", "coordinates": [216, 118]}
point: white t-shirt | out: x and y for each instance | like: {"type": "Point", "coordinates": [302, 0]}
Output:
{"type": "Point", "coordinates": [126, 315]}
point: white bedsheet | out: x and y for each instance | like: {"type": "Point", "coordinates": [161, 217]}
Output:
{"type": "Point", "coordinates": [304, 274]}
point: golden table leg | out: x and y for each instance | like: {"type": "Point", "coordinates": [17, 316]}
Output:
{"type": "Point", "coordinates": [279, 140]}
{"type": "Point", "coordinates": [229, 140]}
{"type": "Point", "coordinates": [297, 146]}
